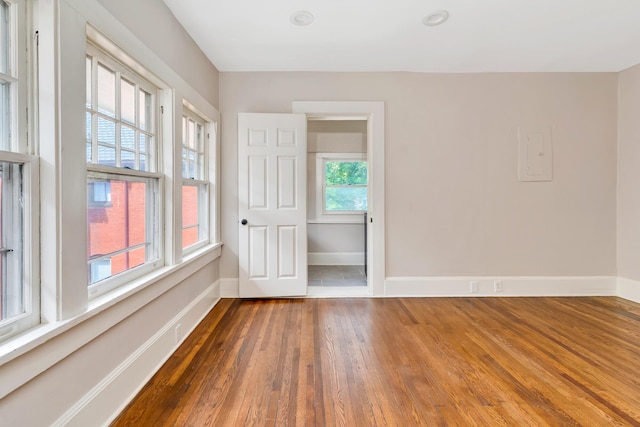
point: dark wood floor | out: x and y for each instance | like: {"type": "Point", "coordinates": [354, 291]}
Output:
{"type": "Point", "coordinates": [402, 362]}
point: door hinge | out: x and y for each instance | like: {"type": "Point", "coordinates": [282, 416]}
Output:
{"type": "Point", "coordinates": [162, 109]}
{"type": "Point", "coordinates": [37, 38]}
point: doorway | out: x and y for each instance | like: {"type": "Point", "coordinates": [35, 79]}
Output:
{"type": "Point", "coordinates": [272, 157]}
{"type": "Point", "coordinates": [371, 114]}
{"type": "Point", "coordinates": [337, 195]}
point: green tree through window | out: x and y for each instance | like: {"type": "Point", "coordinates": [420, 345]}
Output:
{"type": "Point", "coordinates": [345, 186]}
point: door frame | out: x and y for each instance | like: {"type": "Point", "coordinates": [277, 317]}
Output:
{"type": "Point", "coordinates": [373, 113]}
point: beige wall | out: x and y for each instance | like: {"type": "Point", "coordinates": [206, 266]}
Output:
{"type": "Point", "coordinates": [337, 136]}
{"type": "Point", "coordinates": [629, 174]}
{"type": "Point", "coordinates": [454, 205]}
{"type": "Point", "coordinates": [335, 238]}
{"type": "Point", "coordinates": [154, 24]}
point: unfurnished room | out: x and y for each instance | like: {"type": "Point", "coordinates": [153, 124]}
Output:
{"type": "Point", "coordinates": [356, 213]}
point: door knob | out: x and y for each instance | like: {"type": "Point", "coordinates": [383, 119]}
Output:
{"type": "Point", "coordinates": [243, 221]}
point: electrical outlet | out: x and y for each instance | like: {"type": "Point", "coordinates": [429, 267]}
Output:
{"type": "Point", "coordinates": [474, 287]}
{"type": "Point", "coordinates": [497, 286]}
{"type": "Point", "coordinates": [178, 332]}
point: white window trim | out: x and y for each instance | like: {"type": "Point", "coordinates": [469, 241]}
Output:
{"type": "Point", "coordinates": [23, 147]}
{"type": "Point", "coordinates": [155, 229]}
{"type": "Point", "coordinates": [100, 56]}
{"type": "Point", "coordinates": [203, 185]}
{"type": "Point", "coordinates": [19, 73]}
{"type": "Point", "coordinates": [30, 264]}
{"type": "Point", "coordinates": [323, 216]}
{"type": "Point", "coordinates": [211, 175]}
{"type": "Point", "coordinates": [190, 114]}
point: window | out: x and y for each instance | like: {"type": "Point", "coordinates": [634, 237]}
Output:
{"type": "Point", "coordinates": [12, 286]}
{"type": "Point", "coordinates": [99, 194]}
{"type": "Point", "coordinates": [19, 291]}
{"type": "Point", "coordinates": [101, 269]}
{"type": "Point", "coordinates": [342, 183]}
{"type": "Point", "coordinates": [195, 182]}
{"type": "Point", "coordinates": [123, 183]}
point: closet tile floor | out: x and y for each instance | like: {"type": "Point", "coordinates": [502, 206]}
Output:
{"type": "Point", "coordinates": [337, 275]}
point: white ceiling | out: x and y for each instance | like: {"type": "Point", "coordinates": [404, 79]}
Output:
{"type": "Point", "coordinates": [388, 35]}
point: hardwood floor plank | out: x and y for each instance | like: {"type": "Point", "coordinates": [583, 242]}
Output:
{"type": "Point", "coordinates": [402, 362]}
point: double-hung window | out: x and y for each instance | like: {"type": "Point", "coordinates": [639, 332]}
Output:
{"type": "Point", "coordinates": [342, 184]}
{"type": "Point", "coordinates": [19, 283]}
{"type": "Point", "coordinates": [123, 180]}
{"type": "Point", "coordinates": [195, 181]}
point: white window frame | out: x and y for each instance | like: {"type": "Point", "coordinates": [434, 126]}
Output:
{"type": "Point", "coordinates": [201, 180]}
{"type": "Point", "coordinates": [322, 215]}
{"type": "Point", "coordinates": [124, 72]}
{"type": "Point", "coordinates": [29, 246]}
{"type": "Point", "coordinates": [21, 150]}
{"type": "Point", "coordinates": [155, 180]}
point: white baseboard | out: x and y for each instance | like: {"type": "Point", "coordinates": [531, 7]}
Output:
{"type": "Point", "coordinates": [108, 398]}
{"type": "Point", "coordinates": [230, 287]}
{"type": "Point", "coordinates": [511, 286]}
{"type": "Point", "coordinates": [335, 258]}
{"type": "Point", "coordinates": [629, 289]}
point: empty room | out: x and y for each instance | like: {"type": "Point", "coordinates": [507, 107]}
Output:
{"type": "Point", "coordinates": [319, 213]}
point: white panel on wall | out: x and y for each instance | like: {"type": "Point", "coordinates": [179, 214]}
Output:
{"type": "Point", "coordinates": [535, 154]}
{"type": "Point", "coordinates": [287, 251]}
{"type": "Point", "coordinates": [287, 138]}
{"type": "Point", "coordinates": [258, 254]}
{"type": "Point", "coordinates": [258, 182]}
{"type": "Point", "coordinates": [258, 138]}
{"type": "Point", "coordinates": [287, 182]}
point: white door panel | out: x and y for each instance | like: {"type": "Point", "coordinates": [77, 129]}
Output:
{"type": "Point", "coordinates": [272, 156]}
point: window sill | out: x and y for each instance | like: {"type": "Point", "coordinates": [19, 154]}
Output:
{"type": "Point", "coordinates": [358, 220]}
{"type": "Point", "coordinates": [121, 297]}
{"type": "Point", "coordinates": [122, 292]}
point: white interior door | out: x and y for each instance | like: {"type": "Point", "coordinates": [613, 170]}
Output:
{"type": "Point", "coordinates": [272, 170]}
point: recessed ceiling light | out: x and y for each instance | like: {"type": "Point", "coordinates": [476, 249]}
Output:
{"type": "Point", "coordinates": [301, 18]}
{"type": "Point", "coordinates": [435, 18]}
